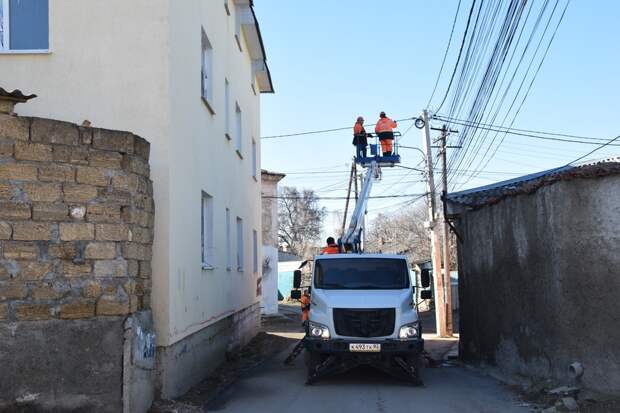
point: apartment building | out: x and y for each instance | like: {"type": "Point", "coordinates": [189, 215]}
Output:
{"type": "Point", "coordinates": [187, 76]}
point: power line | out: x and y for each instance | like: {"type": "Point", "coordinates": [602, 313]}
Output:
{"type": "Point", "coordinates": [458, 59]}
{"type": "Point", "coordinates": [512, 131]}
{"type": "Point", "coordinates": [329, 130]}
{"type": "Point", "coordinates": [595, 150]}
{"type": "Point", "coordinates": [478, 124]}
{"type": "Point", "coordinates": [343, 197]}
{"type": "Point", "coordinates": [443, 62]}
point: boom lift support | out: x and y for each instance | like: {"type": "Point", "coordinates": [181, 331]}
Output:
{"type": "Point", "coordinates": [352, 238]}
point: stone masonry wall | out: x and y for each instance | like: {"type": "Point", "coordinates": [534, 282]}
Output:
{"type": "Point", "coordinates": [538, 283]}
{"type": "Point", "coordinates": [76, 221]}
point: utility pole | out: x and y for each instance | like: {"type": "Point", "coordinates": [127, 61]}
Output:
{"type": "Point", "coordinates": [446, 231]}
{"type": "Point", "coordinates": [440, 302]}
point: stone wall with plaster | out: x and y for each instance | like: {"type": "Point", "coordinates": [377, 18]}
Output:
{"type": "Point", "coordinates": [76, 233]}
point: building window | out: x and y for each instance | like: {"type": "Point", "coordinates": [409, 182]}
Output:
{"type": "Point", "coordinates": [254, 160]}
{"type": "Point", "coordinates": [238, 131]}
{"type": "Point", "coordinates": [228, 242]}
{"type": "Point", "coordinates": [238, 13]}
{"type": "Point", "coordinates": [227, 108]}
{"type": "Point", "coordinates": [207, 71]}
{"type": "Point", "coordinates": [255, 251]}
{"type": "Point", "coordinates": [239, 244]}
{"type": "Point", "coordinates": [207, 231]}
{"type": "Point", "coordinates": [24, 25]}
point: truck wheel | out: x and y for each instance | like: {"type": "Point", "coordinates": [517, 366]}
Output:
{"type": "Point", "coordinates": [417, 362]}
{"type": "Point", "coordinates": [312, 361]}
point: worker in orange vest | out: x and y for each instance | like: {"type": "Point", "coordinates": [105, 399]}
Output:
{"type": "Point", "coordinates": [332, 247]}
{"type": "Point", "coordinates": [360, 139]}
{"type": "Point", "coordinates": [384, 130]}
{"type": "Point", "coordinates": [305, 308]}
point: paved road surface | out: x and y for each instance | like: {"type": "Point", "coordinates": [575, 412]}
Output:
{"type": "Point", "coordinates": [275, 387]}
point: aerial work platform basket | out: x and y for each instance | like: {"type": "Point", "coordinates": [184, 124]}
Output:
{"type": "Point", "coordinates": [376, 155]}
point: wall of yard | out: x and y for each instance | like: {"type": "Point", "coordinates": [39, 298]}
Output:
{"type": "Point", "coordinates": [539, 282]}
{"type": "Point", "coordinates": [76, 233]}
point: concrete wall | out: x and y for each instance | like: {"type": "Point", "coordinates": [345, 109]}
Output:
{"type": "Point", "coordinates": [76, 231]}
{"type": "Point", "coordinates": [185, 363]}
{"type": "Point", "coordinates": [269, 284]}
{"type": "Point", "coordinates": [539, 284]}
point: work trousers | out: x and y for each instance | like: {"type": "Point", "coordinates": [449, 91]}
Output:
{"type": "Point", "coordinates": [361, 151]}
{"type": "Point", "coordinates": [387, 146]}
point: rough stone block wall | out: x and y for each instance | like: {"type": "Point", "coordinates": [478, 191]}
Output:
{"type": "Point", "coordinates": [76, 221]}
{"type": "Point", "coordinates": [76, 233]}
{"type": "Point", "coordinates": [538, 283]}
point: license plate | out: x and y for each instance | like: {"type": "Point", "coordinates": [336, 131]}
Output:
{"type": "Point", "coordinates": [365, 347]}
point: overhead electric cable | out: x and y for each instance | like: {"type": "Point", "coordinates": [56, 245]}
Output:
{"type": "Point", "coordinates": [443, 61]}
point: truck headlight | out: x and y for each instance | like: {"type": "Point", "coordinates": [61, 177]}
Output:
{"type": "Point", "coordinates": [318, 330]}
{"type": "Point", "coordinates": [411, 330]}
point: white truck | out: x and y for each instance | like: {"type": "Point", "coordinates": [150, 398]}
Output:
{"type": "Point", "coordinates": [363, 312]}
{"type": "Point", "coordinates": [362, 307]}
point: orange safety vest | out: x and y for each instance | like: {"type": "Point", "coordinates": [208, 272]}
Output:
{"type": "Point", "coordinates": [385, 125]}
{"type": "Point", "coordinates": [331, 249]}
{"type": "Point", "coordinates": [358, 128]}
{"type": "Point", "coordinates": [305, 307]}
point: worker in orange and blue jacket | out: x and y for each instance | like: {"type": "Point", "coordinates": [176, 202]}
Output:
{"type": "Point", "coordinates": [332, 247]}
{"type": "Point", "coordinates": [384, 129]}
{"type": "Point", "coordinates": [360, 139]}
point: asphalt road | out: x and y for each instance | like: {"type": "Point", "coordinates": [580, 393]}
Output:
{"type": "Point", "coordinates": [274, 387]}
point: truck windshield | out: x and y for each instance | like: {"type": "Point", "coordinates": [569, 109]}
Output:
{"type": "Point", "coordinates": [361, 274]}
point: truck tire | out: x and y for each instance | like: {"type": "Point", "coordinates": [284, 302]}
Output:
{"type": "Point", "coordinates": [417, 361]}
{"type": "Point", "coordinates": [312, 361]}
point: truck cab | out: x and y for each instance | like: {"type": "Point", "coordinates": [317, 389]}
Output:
{"type": "Point", "coordinates": [362, 311]}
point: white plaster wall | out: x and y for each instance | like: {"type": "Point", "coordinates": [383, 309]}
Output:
{"type": "Point", "coordinates": [269, 300]}
{"type": "Point", "coordinates": [135, 65]}
{"type": "Point", "coordinates": [203, 159]}
{"type": "Point", "coordinates": [108, 65]}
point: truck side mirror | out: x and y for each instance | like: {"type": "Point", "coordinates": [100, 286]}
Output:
{"type": "Point", "coordinates": [296, 294]}
{"type": "Point", "coordinates": [425, 278]}
{"type": "Point", "coordinates": [426, 294]}
{"type": "Point", "coordinates": [297, 279]}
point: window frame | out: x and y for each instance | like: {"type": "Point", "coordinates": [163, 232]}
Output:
{"type": "Point", "coordinates": [254, 160]}
{"type": "Point", "coordinates": [206, 71]}
{"type": "Point", "coordinates": [207, 231]}
{"type": "Point", "coordinates": [228, 241]}
{"type": "Point", "coordinates": [5, 37]}
{"type": "Point", "coordinates": [227, 105]}
{"type": "Point", "coordinates": [255, 251]}
{"type": "Point", "coordinates": [240, 245]}
{"type": "Point", "coordinates": [238, 130]}
{"type": "Point", "coordinates": [238, 29]}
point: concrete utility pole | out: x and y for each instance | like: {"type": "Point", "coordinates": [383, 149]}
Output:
{"type": "Point", "coordinates": [440, 303]}
{"type": "Point", "coordinates": [446, 232]}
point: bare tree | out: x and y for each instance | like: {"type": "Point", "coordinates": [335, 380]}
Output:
{"type": "Point", "coordinates": [402, 233]}
{"type": "Point", "coordinates": [300, 220]}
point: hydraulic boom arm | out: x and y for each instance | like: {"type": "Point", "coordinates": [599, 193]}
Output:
{"type": "Point", "coordinates": [353, 234]}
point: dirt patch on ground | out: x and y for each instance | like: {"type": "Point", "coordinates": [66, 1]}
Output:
{"type": "Point", "coordinates": [262, 347]}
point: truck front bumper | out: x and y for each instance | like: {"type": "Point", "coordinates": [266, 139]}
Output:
{"type": "Point", "coordinates": [341, 346]}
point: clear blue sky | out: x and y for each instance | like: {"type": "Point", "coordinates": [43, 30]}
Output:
{"type": "Point", "coordinates": [334, 60]}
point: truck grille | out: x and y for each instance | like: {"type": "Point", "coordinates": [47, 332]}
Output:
{"type": "Point", "coordinates": [364, 322]}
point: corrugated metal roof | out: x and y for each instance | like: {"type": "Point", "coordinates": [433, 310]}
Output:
{"type": "Point", "coordinates": [15, 95]}
{"type": "Point", "coordinates": [489, 194]}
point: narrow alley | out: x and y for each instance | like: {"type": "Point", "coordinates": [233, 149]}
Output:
{"type": "Point", "coordinates": [272, 385]}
